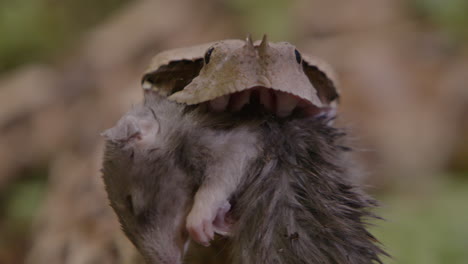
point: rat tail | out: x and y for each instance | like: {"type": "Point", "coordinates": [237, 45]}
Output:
{"type": "Point", "coordinates": [298, 206]}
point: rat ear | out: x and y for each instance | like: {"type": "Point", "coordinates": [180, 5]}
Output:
{"type": "Point", "coordinates": [170, 71]}
{"type": "Point", "coordinates": [323, 79]}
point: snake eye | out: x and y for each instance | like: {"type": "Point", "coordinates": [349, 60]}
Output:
{"type": "Point", "coordinates": [208, 55]}
{"type": "Point", "coordinates": [298, 56]}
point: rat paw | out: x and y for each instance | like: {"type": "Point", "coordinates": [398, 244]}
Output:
{"type": "Point", "coordinates": [200, 227]}
{"type": "Point", "coordinates": [203, 222]}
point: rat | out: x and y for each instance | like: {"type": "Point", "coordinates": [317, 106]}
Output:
{"type": "Point", "coordinates": [262, 166]}
{"type": "Point", "coordinates": [161, 161]}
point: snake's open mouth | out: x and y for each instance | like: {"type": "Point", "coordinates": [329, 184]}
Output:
{"type": "Point", "coordinates": [280, 103]}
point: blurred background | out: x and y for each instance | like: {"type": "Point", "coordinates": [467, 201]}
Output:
{"type": "Point", "coordinates": [69, 69]}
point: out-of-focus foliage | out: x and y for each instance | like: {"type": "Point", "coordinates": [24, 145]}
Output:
{"type": "Point", "coordinates": [36, 29]}
{"type": "Point", "coordinates": [264, 16]}
{"type": "Point", "coordinates": [427, 226]}
{"type": "Point", "coordinates": [19, 205]}
{"type": "Point", "coordinates": [450, 15]}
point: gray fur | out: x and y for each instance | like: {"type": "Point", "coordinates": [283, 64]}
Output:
{"type": "Point", "coordinates": [293, 203]}
{"type": "Point", "coordinates": [145, 196]}
{"type": "Point", "coordinates": [298, 206]}
{"type": "Point", "coordinates": [156, 160]}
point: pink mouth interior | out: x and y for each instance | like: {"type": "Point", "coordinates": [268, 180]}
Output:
{"type": "Point", "coordinates": [280, 103]}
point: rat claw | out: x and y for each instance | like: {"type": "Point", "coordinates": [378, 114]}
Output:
{"type": "Point", "coordinates": [199, 227]}
{"type": "Point", "coordinates": [197, 233]}
{"type": "Point", "coordinates": [204, 222]}
{"type": "Point", "coordinates": [209, 230]}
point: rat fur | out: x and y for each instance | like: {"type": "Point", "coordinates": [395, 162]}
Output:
{"type": "Point", "coordinates": [167, 170]}
{"type": "Point", "coordinates": [299, 205]}
{"type": "Point", "coordinates": [287, 182]}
